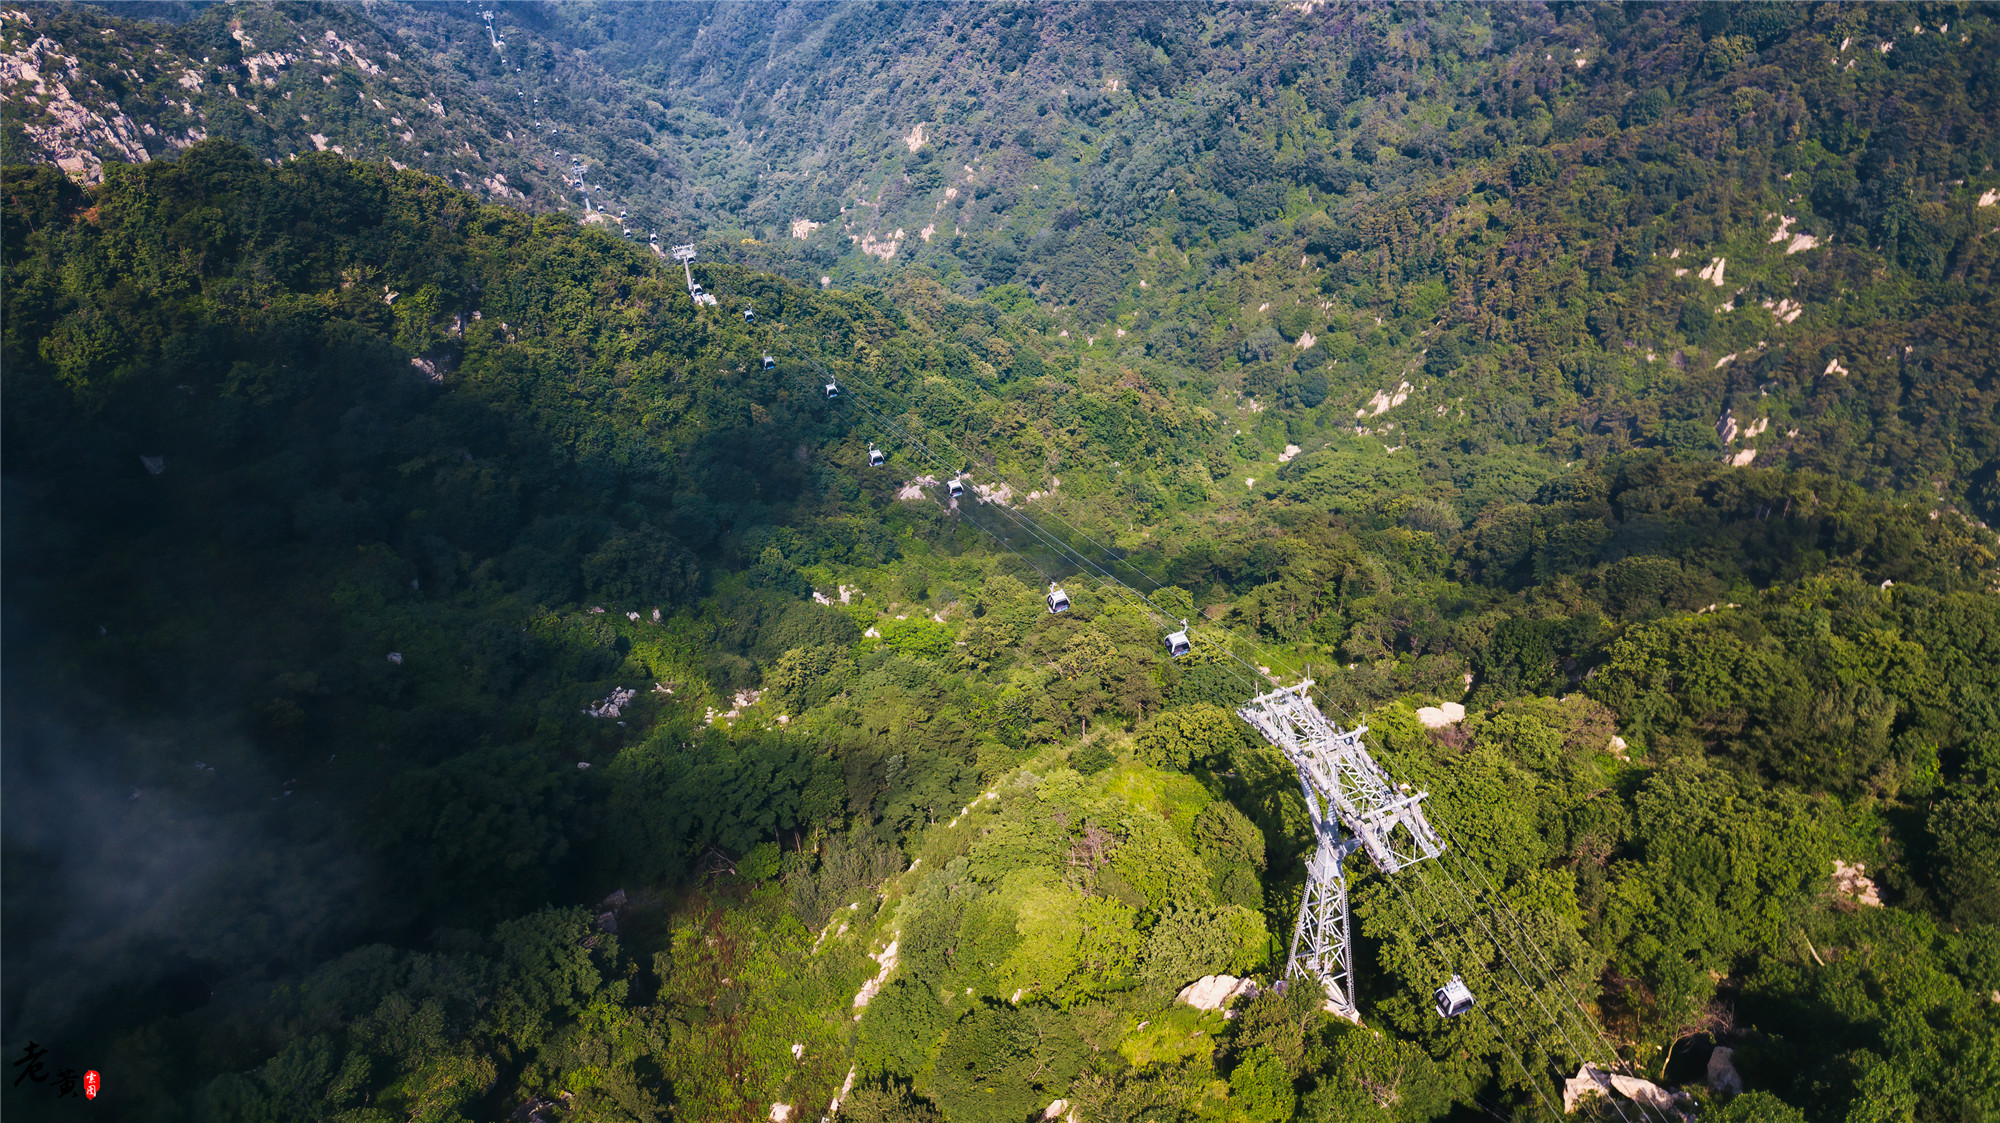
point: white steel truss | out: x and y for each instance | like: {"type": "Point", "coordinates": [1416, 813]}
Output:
{"type": "Point", "coordinates": [1322, 940]}
{"type": "Point", "coordinates": [1343, 787]}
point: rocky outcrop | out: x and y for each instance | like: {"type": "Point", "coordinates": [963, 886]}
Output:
{"type": "Point", "coordinates": [39, 82]}
{"type": "Point", "coordinates": [1216, 992]}
{"type": "Point", "coordinates": [1852, 884]}
{"type": "Point", "coordinates": [1722, 1075]}
{"type": "Point", "coordinates": [1590, 1080]}
{"type": "Point", "coordinates": [1437, 717]}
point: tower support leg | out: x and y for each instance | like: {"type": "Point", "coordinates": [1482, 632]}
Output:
{"type": "Point", "coordinates": [1322, 940]}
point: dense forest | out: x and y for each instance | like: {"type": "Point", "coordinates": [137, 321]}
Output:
{"type": "Point", "coordinates": [1757, 234]}
{"type": "Point", "coordinates": [453, 676]}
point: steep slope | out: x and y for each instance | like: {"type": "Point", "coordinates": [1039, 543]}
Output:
{"type": "Point", "coordinates": [1758, 237]}
{"type": "Point", "coordinates": [426, 91]}
{"type": "Point", "coordinates": [393, 578]}
{"type": "Point", "coordinates": [396, 567]}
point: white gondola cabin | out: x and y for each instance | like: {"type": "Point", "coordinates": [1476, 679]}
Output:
{"type": "Point", "coordinates": [1453, 998]}
{"type": "Point", "coordinates": [832, 391]}
{"type": "Point", "coordinates": [770, 363]}
{"type": "Point", "coordinates": [956, 488]}
{"type": "Point", "coordinates": [1177, 644]}
{"type": "Point", "coordinates": [877, 458]}
{"type": "Point", "coordinates": [749, 314]}
{"type": "Point", "coordinates": [1058, 600]}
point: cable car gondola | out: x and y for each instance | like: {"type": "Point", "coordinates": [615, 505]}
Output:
{"type": "Point", "coordinates": [1453, 998]}
{"type": "Point", "coordinates": [1058, 600]}
{"type": "Point", "coordinates": [770, 363]}
{"type": "Point", "coordinates": [876, 457]}
{"type": "Point", "coordinates": [1177, 643]}
{"type": "Point", "coordinates": [749, 315]}
{"type": "Point", "coordinates": [832, 391]}
{"type": "Point", "coordinates": [956, 488]}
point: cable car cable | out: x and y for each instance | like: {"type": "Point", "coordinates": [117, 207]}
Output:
{"type": "Point", "coordinates": [944, 464]}
{"type": "Point", "coordinates": [1530, 951]}
{"type": "Point", "coordinates": [1041, 534]}
{"type": "Point", "coordinates": [1294, 667]}
{"type": "Point", "coordinates": [981, 526]}
{"type": "Point", "coordinates": [1431, 933]}
{"type": "Point", "coordinates": [1474, 914]}
{"type": "Point", "coordinates": [1065, 551]}
{"type": "Point", "coordinates": [1545, 968]}
{"type": "Point", "coordinates": [1550, 983]}
{"type": "Point", "coordinates": [1048, 538]}
{"type": "Point", "coordinates": [966, 515]}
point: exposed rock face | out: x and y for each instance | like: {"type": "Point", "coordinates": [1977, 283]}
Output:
{"type": "Point", "coordinates": [1722, 1074]}
{"type": "Point", "coordinates": [41, 77]}
{"type": "Point", "coordinates": [1215, 992]}
{"type": "Point", "coordinates": [1852, 883]}
{"type": "Point", "coordinates": [1437, 717]}
{"type": "Point", "coordinates": [1591, 1080]}
{"type": "Point", "coordinates": [887, 958]}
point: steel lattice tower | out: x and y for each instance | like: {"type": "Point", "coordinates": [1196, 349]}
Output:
{"type": "Point", "coordinates": [1344, 787]}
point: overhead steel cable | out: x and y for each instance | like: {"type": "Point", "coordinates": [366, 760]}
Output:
{"type": "Point", "coordinates": [1544, 966]}
{"type": "Point", "coordinates": [975, 522]}
{"type": "Point", "coordinates": [1042, 534]}
{"type": "Point", "coordinates": [1431, 935]}
{"type": "Point", "coordinates": [1454, 850]}
{"type": "Point", "coordinates": [1473, 914]}
{"type": "Point", "coordinates": [914, 442]}
{"type": "Point", "coordinates": [1071, 550]}
{"type": "Point", "coordinates": [1049, 506]}
{"type": "Point", "coordinates": [1531, 951]}
{"type": "Point", "coordinates": [1045, 538]}
{"type": "Point", "coordinates": [1102, 576]}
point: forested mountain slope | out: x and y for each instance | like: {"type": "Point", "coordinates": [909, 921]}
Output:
{"type": "Point", "coordinates": [395, 566]}
{"type": "Point", "coordinates": [320, 692]}
{"type": "Point", "coordinates": [1757, 234]}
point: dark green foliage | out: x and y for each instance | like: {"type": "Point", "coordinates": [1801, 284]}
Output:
{"type": "Point", "coordinates": [1966, 833]}
{"type": "Point", "coordinates": [999, 1064]}
{"type": "Point", "coordinates": [1198, 734]}
{"type": "Point", "coordinates": [773, 572]}
{"type": "Point", "coordinates": [1092, 759]}
{"type": "Point", "coordinates": [888, 1102]}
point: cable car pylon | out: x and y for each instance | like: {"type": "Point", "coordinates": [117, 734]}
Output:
{"type": "Point", "coordinates": [1344, 788]}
